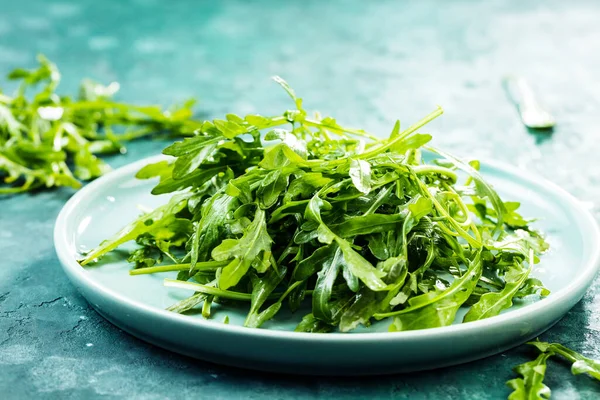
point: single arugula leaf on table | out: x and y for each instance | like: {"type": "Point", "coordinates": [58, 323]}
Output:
{"type": "Point", "coordinates": [579, 363]}
{"type": "Point", "coordinates": [530, 385]}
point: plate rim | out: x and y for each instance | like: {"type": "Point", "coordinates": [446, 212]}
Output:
{"type": "Point", "coordinates": [573, 291]}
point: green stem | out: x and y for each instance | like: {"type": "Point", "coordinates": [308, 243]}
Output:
{"type": "Point", "coordinates": [276, 121]}
{"type": "Point", "coordinates": [474, 269]}
{"type": "Point", "coordinates": [381, 197]}
{"type": "Point", "coordinates": [435, 169]}
{"type": "Point", "coordinates": [380, 149]}
{"type": "Point", "coordinates": [460, 203]}
{"type": "Point", "coordinates": [475, 242]}
{"type": "Point", "coordinates": [433, 115]}
{"type": "Point", "coordinates": [289, 290]}
{"type": "Point", "coordinates": [226, 294]}
{"type": "Point", "coordinates": [201, 266]}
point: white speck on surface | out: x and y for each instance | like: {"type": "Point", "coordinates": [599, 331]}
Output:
{"type": "Point", "coordinates": [17, 354]}
{"type": "Point", "coordinates": [100, 43]}
{"type": "Point", "coordinates": [110, 198]}
{"type": "Point", "coordinates": [82, 317]}
{"type": "Point", "coordinates": [214, 376]}
{"type": "Point", "coordinates": [89, 344]}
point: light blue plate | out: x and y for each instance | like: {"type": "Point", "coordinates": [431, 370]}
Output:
{"type": "Point", "coordinates": [137, 304]}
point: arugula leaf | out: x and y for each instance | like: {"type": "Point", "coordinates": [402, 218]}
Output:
{"type": "Point", "coordinates": [196, 179]}
{"type": "Point", "coordinates": [280, 156]}
{"type": "Point", "coordinates": [360, 172]}
{"type": "Point", "coordinates": [192, 152]}
{"type": "Point", "coordinates": [368, 224]}
{"type": "Point", "coordinates": [437, 308]}
{"type": "Point", "coordinates": [242, 252]}
{"type": "Point", "coordinates": [229, 129]}
{"type": "Point", "coordinates": [413, 142]}
{"type": "Point", "coordinates": [331, 267]}
{"type": "Point", "coordinates": [152, 222]}
{"type": "Point", "coordinates": [368, 302]}
{"type": "Point", "coordinates": [483, 189]}
{"type": "Point", "coordinates": [187, 304]}
{"type": "Point", "coordinates": [490, 304]}
{"type": "Point", "coordinates": [271, 187]}
{"type": "Point", "coordinates": [290, 140]}
{"type": "Point", "coordinates": [48, 140]}
{"type": "Point", "coordinates": [530, 287]}
{"type": "Point", "coordinates": [358, 265]}
{"type": "Point", "coordinates": [161, 169]}
{"type": "Point", "coordinates": [530, 386]}
{"type": "Point", "coordinates": [210, 229]}
{"type": "Point", "coordinates": [262, 287]}
{"type": "Point", "coordinates": [305, 186]}
{"type": "Point", "coordinates": [311, 324]}
{"type": "Point", "coordinates": [580, 364]}
{"type": "Point", "coordinates": [289, 91]}
{"type": "Point", "coordinates": [292, 206]}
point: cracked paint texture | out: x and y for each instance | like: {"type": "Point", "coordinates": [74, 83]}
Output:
{"type": "Point", "coordinates": [366, 63]}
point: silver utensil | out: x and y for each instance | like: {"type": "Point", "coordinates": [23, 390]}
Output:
{"type": "Point", "coordinates": [532, 113]}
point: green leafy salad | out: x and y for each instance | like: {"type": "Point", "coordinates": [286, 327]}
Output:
{"type": "Point", "coordinates": [296, 209]}
{"type": "Point", "coordinates": [48, 140]}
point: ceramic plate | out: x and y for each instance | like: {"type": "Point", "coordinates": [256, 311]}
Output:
{"type": "Point", "coordinates": [137, 304]}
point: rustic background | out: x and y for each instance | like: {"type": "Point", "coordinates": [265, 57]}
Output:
{"type": "Point", "coordinates": [366, 63]}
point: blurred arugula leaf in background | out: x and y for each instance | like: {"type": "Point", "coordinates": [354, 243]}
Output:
{"type": "Point", "coordinates": [48, 140]}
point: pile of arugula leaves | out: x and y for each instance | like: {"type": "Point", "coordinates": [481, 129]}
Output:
{"type": "Point", "coordinates": [43, 136]}
{"type": "Point", "coordinates": [268, 210]}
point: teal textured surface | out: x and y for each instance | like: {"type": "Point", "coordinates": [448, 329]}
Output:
{"type": "Point", "coordinates": [367, 64]}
